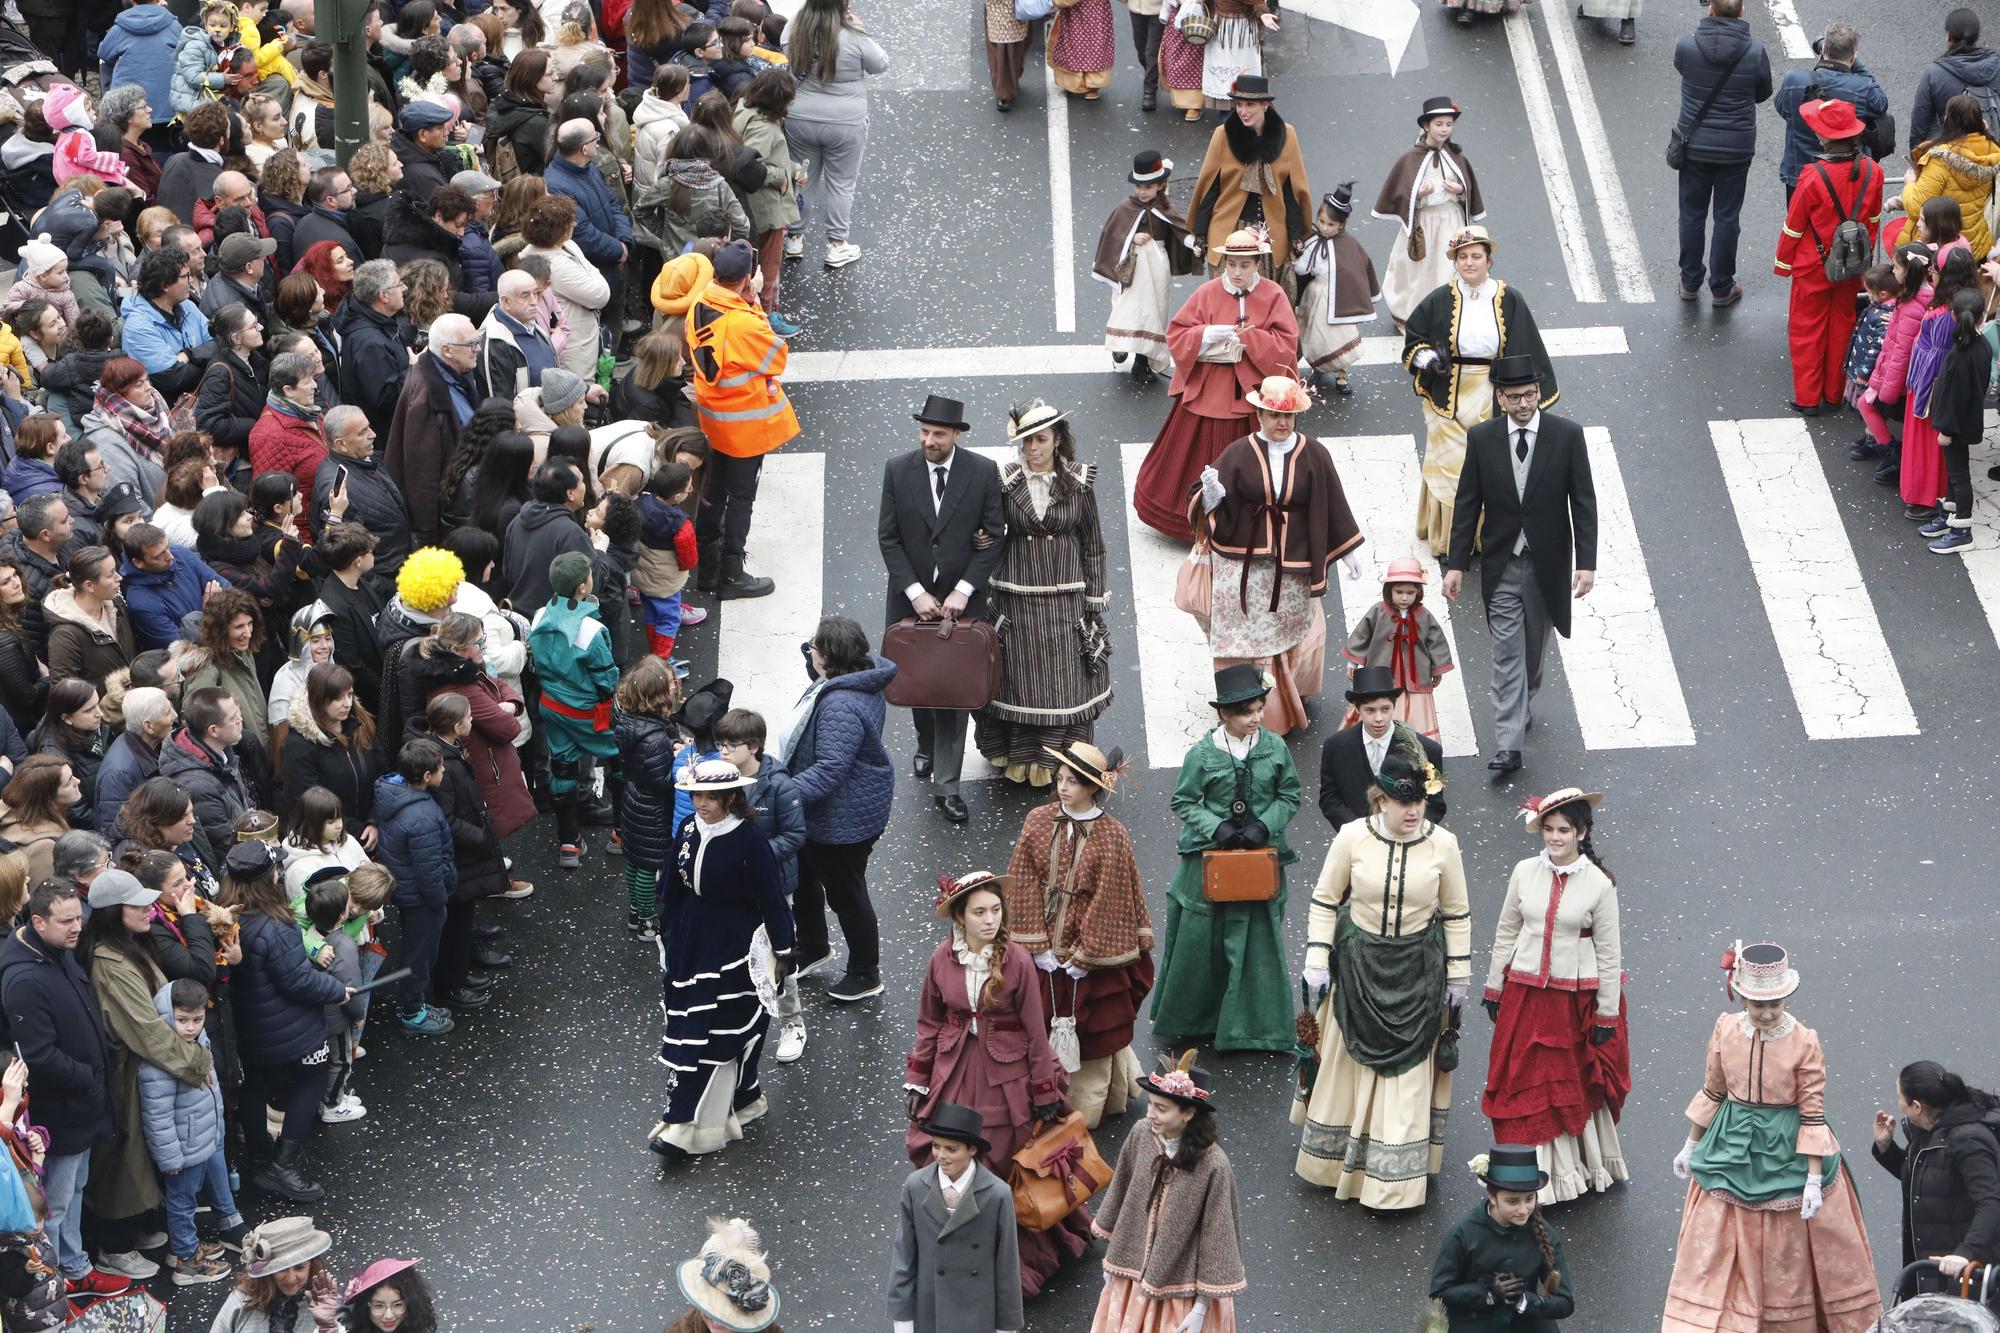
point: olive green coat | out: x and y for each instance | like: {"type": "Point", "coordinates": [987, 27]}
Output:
{"type": "Point", "coordinates": [122, 1179]}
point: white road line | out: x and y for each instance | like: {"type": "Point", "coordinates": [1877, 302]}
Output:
{"type": "Point", "coordinates": [1830, 642]}
{"type": "Point", "coordinates": [1176, 673]}
{"type": "Point", "coordinates": [1620, 667]}
{"type": "Point", "coordinates": [1392, 22]}
{"type": "Point", "coordinates": [1060, 219]}
{"type": "Point", "coordinates": [1570, 229]}
{"type": "Point", "coordinates": [949, 363]}
{"type": "Point", "coordinates": [1628, 260]}
{"type": "Point", "coordinates": [1381, 475]}
{"type": "Point", "coordinates": [1982, 558]}
{"type": "Point", "coordinates": [758, 646]}
{"type": "Point", "coordinates": [1785, 17]}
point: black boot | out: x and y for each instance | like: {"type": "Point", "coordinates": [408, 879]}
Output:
{"type": "Point", "coordinates": [706, 575]}
{"type": "Point", "coordinates": [284, 1176]}
{"type": "Point", "coordinates": [1889, 471]}
{"type": "Point", "coordinates": [736, 582]}
{"type": "Point", "coordinates": [1142, 369]}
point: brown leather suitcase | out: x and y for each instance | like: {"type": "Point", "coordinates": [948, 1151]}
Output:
{"type": "Point", "coordinates": [943, 663]}
{"type": "Point", "coordinates": [1248, 876]}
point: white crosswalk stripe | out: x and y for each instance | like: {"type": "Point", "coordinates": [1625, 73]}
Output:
{"type": "Point", "coordinates": [759, 644]}
{"type": "Point", "coordinates": [1179, 674]}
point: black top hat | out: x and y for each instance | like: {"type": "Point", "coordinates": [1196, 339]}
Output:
{"type": "Point", "coordinates": [1512, 371]}
{"type": "Point", "coordinates": [1513, 1167]}
{"type": "Point", "coordinates": [1438, 106]}
{"type": "Point", "coordinates": [962, 1124]}
{"type": "Point", "coordinates": [1239, 684]}
{"type": "Point", "coordinates": [1149, 167]}
{"type": "Point", "coordinates": [1341, 200]}
{"type": "Point", "coordinates": [942, 411]}
{"type": "Point", "coordinates": [1403, 775]}
{"type": "Point", "coordinates": [1373, 682]}
{"type": "Point", "coordinates": [1251, 88]}
{"type": "Point", "coordinates": [700, 711]}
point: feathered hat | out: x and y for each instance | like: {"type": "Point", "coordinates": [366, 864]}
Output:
{"type": "Point", "coordinates": [729, 1282]}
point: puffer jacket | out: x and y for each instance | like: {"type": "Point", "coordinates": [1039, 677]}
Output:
{"type": "Point", "coordinates": [775, 804]}
{"type": "Point", "coordinates": [230, 399]}
{"type": "Point", "coordinates": [482, 870]}
{"type": "Point", "coordinates": [195, 78]}
{"type": "Point", "coordinates": [414, 842]}
{"type": "Point", "coordinates": [80, 646]}
{"type": "Point", "coordinates": [24, 690]}
{"type": "Point", "coordinates": [489, 748]}
{"type": "Point", "coordinates": [183, 1124]}
{"type": "Point", "coordinates": [313, 759]}
{"type": "Point", "coordinates": [1963, 169]}
{"type": "Point", "coordinates": [646, 750]}
{"type": "Point", "coordinates": [1950, 1178]}
{"type": "Point", "coordinates": [1727, 135]}
{"type": "Point", "coordinates": [127, 763]}
{"type": "Point", "coordinates": [523, 124]}
{"type": "Point", "coordinates": [1944, 79]}
{"type": "Point", "coordinates": [214, 783]}
{"type": "Point", "coordinates": [654, 124]}
{"type": "Point", "coordinates": [140, 49]}
{"type": "Point", "coordinates": [280, 996]}
{"type": "Point", "coordinates": [839, 764]}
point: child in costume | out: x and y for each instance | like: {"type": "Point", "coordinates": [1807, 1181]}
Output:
{"type": "Point", "coordinates": [1338, 292]}
{"type": "Point", "coordinates": [1501, 1266]}
{"type": "Point", "coordinates": [1400, 634]}
{"type": "Point", "coordinates": [1143, 244]}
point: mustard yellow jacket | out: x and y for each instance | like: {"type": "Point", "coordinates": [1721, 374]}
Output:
{"type": "Point", "coordinates": [1964, 169]}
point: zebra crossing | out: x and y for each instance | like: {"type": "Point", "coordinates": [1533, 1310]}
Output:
{"type": "Point", "coordinates": [1622, 668]}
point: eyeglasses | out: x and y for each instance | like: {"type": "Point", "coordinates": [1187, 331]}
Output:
{"type": "Point", "coordinates": [1520, 396]}
{"type": "Point", "coordinates": [386, 1307]}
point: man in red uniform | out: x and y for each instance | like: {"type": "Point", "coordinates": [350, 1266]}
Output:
{"type": "Point", "coordinates": [1843, 185]}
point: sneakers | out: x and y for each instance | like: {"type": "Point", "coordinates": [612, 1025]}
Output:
{"type": "Point", "coordinates": [1957, 539]}
{"type": "Point", "coordinates": [854, 986]}
{"type": "Point", "coordinates": [1936, 526]}
{"type": "Point", "coordinates": [839, 254]}
{"type": "Point", "coordinates": [569, 856]}
{"type": "Point", "coordinates": [1864, 448]}
{"type": "Point", "coordinates": [616, 847]}
{"type": "Point", "coordinates": [151, 1240]}
{"type": "Point", "coordinates": [692, 615]}
{"type": "Point", "coordinates": [811, 965]}
{"type": "Point", "coordinates": [641, 927]}
{"type": "Point", "coordinates": [97, 1282]}
{"type": "Point", "coordinates": [127, 1263]}
{"type": "Point", "coordinates": [791, 1041]}
{"type": "Point", "coordinates": [518, 889]}
{"type": "Point", "coordinates": [349, 1108]}
{"type": "Point", "coordinates": [795, 245]}
{"type": "Point", "coordinates": [467, 998]}
{"type": "Point", "coordinates": [784, 328]}
{"type": "Point", "coordinates": [203, 1267]}
{"type": "Point", "coordinates": [427, 1022]}
{"type": "Point", "coordinates": [681, 667]}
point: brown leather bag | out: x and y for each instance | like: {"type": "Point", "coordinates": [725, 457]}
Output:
{"type": "Point", "coordinates": [1056, 1171]}
{"type": "Point", "coordinates": [943, 663]}
{"type": "Point", "coordinates": [1417, 248]}
{"type": "Point", "coordinates": [1249, 876]}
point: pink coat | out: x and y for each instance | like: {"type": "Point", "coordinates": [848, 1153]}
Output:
{"type": "Point", "coordinates": [1893, 364]}
{"type": "Point", "coordinates": [25, 290]}
{"type": "Point", "coordinates": [1270, 347]}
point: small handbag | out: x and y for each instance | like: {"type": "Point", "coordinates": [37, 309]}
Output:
{"type": "Point", "coordinates": [1055, 1172]}
{"type": "Point", "coordinates": [1418, 247]}
{"type": "Point", "coordinates": [1194, 585]}
{"type": "Point", "coordinates": [1197, 25]}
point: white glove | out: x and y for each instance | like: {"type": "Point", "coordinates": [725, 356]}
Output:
{"type": "Point", "coordinates": [1076, 973]}
{"type": "Point", "coordinates": [1107, 1277]}
{"type": "Point", "coordinates": [1423, 358]}
{"type": "Point", "coordinates": [1211, 489]}
{"type": "Point", "coordinates": [1196, 1317]}
{"type": "Point", "coordinates": [1046, 960]}
{"type": "Point", "coordinates": [1454, 993]}
{"type": "Point", "coordinates": [1810, 1201]}
{"type": "Point", "coordinates": [1350, 565]}
{"type": "Point", "coordinates": [1317, 977]}
{"type": "Point", "coordinates": [1681, 1159]}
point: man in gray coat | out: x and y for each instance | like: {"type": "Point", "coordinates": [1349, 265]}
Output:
{"type": "Point", "coordinates": [957, 1259]}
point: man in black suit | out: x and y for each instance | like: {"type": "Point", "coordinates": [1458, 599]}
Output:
{"type": "Point", "coordinates": [942, 530]}
{"type": "Point", "coordinates": [1352, 756]}
{"type": "Point", "coordinates": [1527, 477]}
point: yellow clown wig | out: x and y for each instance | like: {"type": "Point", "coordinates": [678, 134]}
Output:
{"type": "Point", "coordinates": [429, 579]}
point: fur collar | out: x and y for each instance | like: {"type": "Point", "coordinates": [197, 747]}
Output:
{"type": "Point", "coordinates": [300, 715]}
{"type": "Point", "coordinates": [1249, 147]}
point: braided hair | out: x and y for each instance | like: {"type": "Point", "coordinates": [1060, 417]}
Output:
{"type": "Point", "coordinates": [1547, 1246]}
{"type": "Point", "coordinates": [1580, 817]}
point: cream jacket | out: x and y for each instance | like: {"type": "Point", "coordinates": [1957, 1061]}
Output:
{"type": "Point", "coordinates": [1393, 888]}
{"type": "Point", "coordinates": [1559, 929]}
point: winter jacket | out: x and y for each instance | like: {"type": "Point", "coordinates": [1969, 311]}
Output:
{"type": "Point", "coordinates": [267, 571]}
{"type": "Point", "coordinates": [79, 645]}
{"type": "Point", "coordinates": [838, 763]}
{"type": "Point", "coordinates": [38, 576]}
{"type": "Point", "coordinates": [422, 436]}
{"type": "Point", "coordinates": [127, 763]}
{"type": "Point", "coordinates": [213, 782]}
{"type": "Point", "coordinates": [646, 747]}
{"type": "Point", "coordinates": [222, 291]}
{"type": "Point", "coordinates": [478, 262]}
{"type": "Point", "coordinates": [1958, 398]}
{"type": "Point", "coordinates": [122, 1179]}
{"type": "Point", "coordinates": [82, 513]}
{"type": "Point", "coordinates": [1962, 169]}
{"type": "Point", "coordinates": [74, 378]}
{"type": "Point", "coordinates": [1727, 135]}
{"type": "Point", "coordinates": [283, 217]}
{"type": "Point", "coordinates": [1944, 79]}
{"type": "Point", "coordinates": [538, 534]}
{"type": "Point", "coordinates": [666, 405]}
{"type": "Point", "coordinates": [1853, 85]}
{"type": "Point", "coordinates": [313, 759]}
{"type": "Point", "coordinates": [707, 193]}
{"type": "Point", "coordinates": [775, 204]}
{"type": "Point", "coordinates": [507, 348]}
{"type": "Point", "coordinates": [602, 231]}
{"type": "Point", "coordinates": [775, 804]}
{"type": "Point", "coordinates": [238, 674]}
{"type": "Point", "coordinates": [195, 78]}
{"type": "Point", "coordinates": [24, 690]}
{"type": "Point", "coordinates": [230, 399]}
{"type": "Point", "coordinates": [355, 645]}
{"type": "Point", "coordinates": [414, 842]}
{"type": "Point", "coordinates": [140, 48]}
{"type": "Point", "coordinates": [482, 870]}
{"type": "Point", "coordinates": [280, 996]}
{"type": "Point", "coordinates": [374, 360]}
{"type": "Point", "coordinates": [157, 600]}
{"type": "Point", "coordinates": [523, 124]}
{"type": "Point", "coordinates": [183, 1124]}
{"type": "Point", "coordinates": [1950, 1176]}
{"type": "Point", "coordinates": [572, 651]}
{"type": "Point", "coordinates": [423, 171]}
{"type": "Point", "coordinates": [489, 748]}
{"type": "Point", "coordinates": [186, 178]}
{"type": "Point", "coordinates": [34, 843]}
{"type": "Point", "coordinates": [368, 220]}
{"type": "Point", "coordinates": [54, 1017]}
{"type": "Point", "coordinates": [281, 442]}
{"type": "Point", "coordinates": [25, 478]}
{"type": "Point", "coordinates": [127, 464]}
{"type": "Point", "coordinates": [375, 501]}
{"type": "Point", "coordinates": [321, 223]}
{"type": "Point", "coordinates": [581, 292]}
{"type": "Point", "coordinates": [396, 629]}
{"type": "Point", "coordinates": [156, 339]}
{"type": "Point", "coordinates": [411, 234]}
{"type": "Point", "coordinates": [654, 124]}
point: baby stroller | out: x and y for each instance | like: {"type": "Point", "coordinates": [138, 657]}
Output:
{"type": "Point", "coordinates": [1969, 1311]}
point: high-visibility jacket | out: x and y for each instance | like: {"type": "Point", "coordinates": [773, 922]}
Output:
{"type": "Point", "coordinates": [737, 360]}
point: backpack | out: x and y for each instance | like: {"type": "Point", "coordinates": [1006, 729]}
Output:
{"type": "Point", "coordinates": [1845, 256]}
{"type": "Point", "coordinates": [1989, 107]}
{"type": "Point", "coordinates": [506, 164]}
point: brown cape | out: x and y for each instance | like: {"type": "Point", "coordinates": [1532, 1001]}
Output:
{"type": "Point", "coordinates": [1352, 290]}
{"type": "Point", "coordinates": [1160, 219]}
{"type": "Point", "coordinates": [1095, 908]}
{"type": "Point", "coordinates": [1397, 203]}
{"type": "Point", "coordinates": [1304, 530]}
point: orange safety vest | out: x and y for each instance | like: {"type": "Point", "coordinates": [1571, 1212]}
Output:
{"type": "Point", "coordinates": [737, 360]}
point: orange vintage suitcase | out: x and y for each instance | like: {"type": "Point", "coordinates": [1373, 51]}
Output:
{"type": "Point", "coordinates": [1248, 876]}
{"type": "Point", "coordinates": [943, 663]}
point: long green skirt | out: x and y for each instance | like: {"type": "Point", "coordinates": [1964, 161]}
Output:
{"type": "Point", "coordinates": [1223, 975]}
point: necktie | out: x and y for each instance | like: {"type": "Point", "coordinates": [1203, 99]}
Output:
{"type": "Point", "coordinates": [1521, 444]}
{"type": "Point", "coordinates": [940, 482]}
{"type": "Point", "coordinates": [951, 1198]}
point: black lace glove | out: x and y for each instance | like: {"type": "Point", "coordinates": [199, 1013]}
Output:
{"type": "Point", "coordinates": [1601, 1033]}
{"type": "Point", "coordinates": [1253, 834]}
{"type": "Point", "coordinates": [1227, 836]}
{"type": "Point", "coordinates": [1492, 1008]}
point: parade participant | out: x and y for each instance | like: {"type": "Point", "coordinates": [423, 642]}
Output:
{"type": "Point", "coordinates": [1352, 756]}
{"type": "Point", "coordinates": [1235, 51]}
{"type": "Point", "coordinates": [728, 1283]}
{"type": "Point", "coordinates": [1048, 598]}
{"type": "Point", "coordinates": [1844, 186]}
{"type": "Point", "coordinates": [1390, 931]}
{"type": "Point", "coordinates": [728, 944]}
{"type": "Point", "coordinates": [1081, 48]}
{"type": "Point", "coordinates": [1222, 968]}
{"type": "Point", "coordinates": [780, 814]}
{"type": "Point", "coordinates": [1007, 39]}
{"type": "Point", "coordinates": [390, 1296]}
{"type": "Point", "coordinates": [1233, 332]}
{"type": "Point", "coordinates": [1275, 518]}
{"type": "Point", "coordinates": [1526, 545]}
{"type": "Point", "coordinates": [982, 1042]}
{"type": "Point", "coordinates": [938, 501]}
{"type": "Point", "coordinates": [285, 1287]}
{"type": "Point", "coordinates": [1175, 1261]}
{"type": "Point", "coordinates": [1142, 247]}
{"type": "Point", "coordinates": [1501, 1268]}
{"type": "Point", "coordinates": [1074, 899]}
{"type": "Point", "coordinates": [1949, 1173]}
{"type": "Point", "coordinates": [1450, 343]}
{"type": "Point", "coordinates": [1398, 633]}
{"type": "Point", "coordinates": [1253, 175]}
{"type": "Point", "coordinates": [1338, 293]}
{"type": "Point", "coordinates": [1561, 1062]}
{"type": "Point", "coordinates": [930, 1236]}
{"type": "Point", "coordinates": [1761, 1165]}
{"type": "Point", "coordinates": [1432, 194]}
{"type": "Point", "coordinates": [1181, 61]}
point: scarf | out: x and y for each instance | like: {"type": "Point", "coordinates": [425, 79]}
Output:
{"type": "Point", "coordinates": [693, 173]}
{"type": "Point", "coordinates": [285, 407]}
{"type": "Point", "coordinates": [1403, 645]}
{"type": "Point", "coordinates": [145, 431]}
{"type": "Point", "coordinates": [315, 90]}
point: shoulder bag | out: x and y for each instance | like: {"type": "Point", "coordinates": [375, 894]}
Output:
{"type": "Point", "coordinates": [1056, 1172]}
{"type": "Point", "coordinates": [1677, 142]}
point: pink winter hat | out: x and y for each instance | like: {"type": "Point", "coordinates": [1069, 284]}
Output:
{"type": "Point", "coordinates": [66, 108]}
{"type": "Point", "coordinates": [77, 154]}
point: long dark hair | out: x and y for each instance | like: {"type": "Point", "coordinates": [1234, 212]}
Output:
{"type": "Point", "coordinates": [1968, 308]}
{"type": "Point", "coordinates": [1582, 818]}
{"type": "Point", "coordinates": [66, 696]}
{"type": "Point", "coordinates": [1956, 274]}
{"type": "Point", "coordinates": [1961, 31]}
{"type": "Point", "coordinates": [325, 683]}
{"type": "Point", "coordinates": [1931, 1083]}
{"type": "Point", "coordinates": [1917, 265]}
{"type": "Point", "coordinates": [502, 476]}
{"type": "Point", "coordinates": [996, 979]}
{"type": "Point", "coordinates": [814, 49]}
{"type": "Point", "coordinates": [106, 930]}
{"type": "Point", "coordinates": [494, 418]}
{"type": "Point", "coordinates": [1543, 1242]}
{"type": "Point", "coordinates": [418, 1314]}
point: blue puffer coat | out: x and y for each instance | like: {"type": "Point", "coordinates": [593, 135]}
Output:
{"type": "Point", "coordinates": [775, 805]}
{"type": "Point", "coordinates": [183, 1125]}
{"type": "Point", "coordinates": [839, 765]}
{"type": "Point", "coordinates": [1727, 135]}
{"type": "Point", "coordinates": [646, 825]}
{"type": "Point", "coordinates": [139, 50]}
{"type": "Point", "coordinates": [281, 998]}
{"type": "Point", "coordinates": [414, 843]}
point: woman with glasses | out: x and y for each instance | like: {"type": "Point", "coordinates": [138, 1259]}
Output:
{"type": "Point", "coordinates": [390, 1296]}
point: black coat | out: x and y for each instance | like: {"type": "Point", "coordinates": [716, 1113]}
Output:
{"type": "Point", "coordinates": [1558, 503]}
{"type": "Point", "coordinates": [216, 787]}
{"type": "Point", "coordinates": [524, 125]}
{"type": "Point", "coordinates": [375, 501]}
{"type": "Point", "coordinates": [538, 534]}
{"type": "Point", "coordinates": [231, 398]}
{"type": "Point", "coordinates": [482, 870]}
{"type": "Point", "coordinates": [323, 224]}
{"type": "Point", "coordinates": [367, 221]}
{"type": "Point", "coordinates": [54, 1017]}
{"type": "Point", "coordinates": [374, 360]}
{"type": "Point", "coordinates": [311, 759]}
{"type": "Point", "coordinates": [666, 406]}
{"type": "Point", "coordinates": [646, 823]}
{"type": "Point", "coordinates": [24, 690]}
{"type": "Point", "coordinates": [412, 235]}
{"type": "Point", "coordinates": [1950, 1184]}
{"type": "Point", "coordinates": [84, 763]}
{"type": "Point", "coordinates": [1727, 135]}
{"type": "Point", "coordinates": [932, 544]}
{"type": "Point", "coordinates": [423, 173]}
{"type": "Point", "coordinates": [1344, 777]}
{"type": "Point", "coordinates": [355, 645]}
{"type": "Point", "coordinates": [283, 217]}
{"type": "Point", "coordinates": [280, 996]}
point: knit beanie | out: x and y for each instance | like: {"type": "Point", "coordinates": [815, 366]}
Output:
{"type": "Point", "coordinates": [39, 256]}
{"type": "Point", "coordinates": [429, 579]}
{"type": "Point", "coordinates": [561, 390]}
{"type": "Point", "coordinates": [681, 280]}
{"type": "Point", "coordinates": [568, 572]}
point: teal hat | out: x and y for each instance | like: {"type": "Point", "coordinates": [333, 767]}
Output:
{"type": "Point", "coordinates": [1512, 1166]}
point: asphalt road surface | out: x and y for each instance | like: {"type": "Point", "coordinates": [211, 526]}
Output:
{"type": "Point", "coordinates": [1777, 705]}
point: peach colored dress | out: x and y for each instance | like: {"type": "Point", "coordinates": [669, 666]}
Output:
{"type": "Point", "coordinates": [1745, 1262]}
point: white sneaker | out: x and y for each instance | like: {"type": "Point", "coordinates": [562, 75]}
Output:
{"type": "Point", "coordinates": [839, 254]}
{"type": "Point", "coordinates": [795, 245]}
{"type": "Point", "coordinates": [348, 1109]}
{"type": "Point", "coordinates": [152, 1240]}
{"type": "Point", "coordinates": [791, 1043]}
{"type": "Point", "coordinates": [128, 1263]}
{"type": "Point", "coordinates": [693, 615]}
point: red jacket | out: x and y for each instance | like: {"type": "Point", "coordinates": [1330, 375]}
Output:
{"type": "Point", "coordinates": [280, 443]}
{"type": "Point", "coordinates": [1270, 334]}
{"type": "Point", "coordinates": [1810, 222]}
